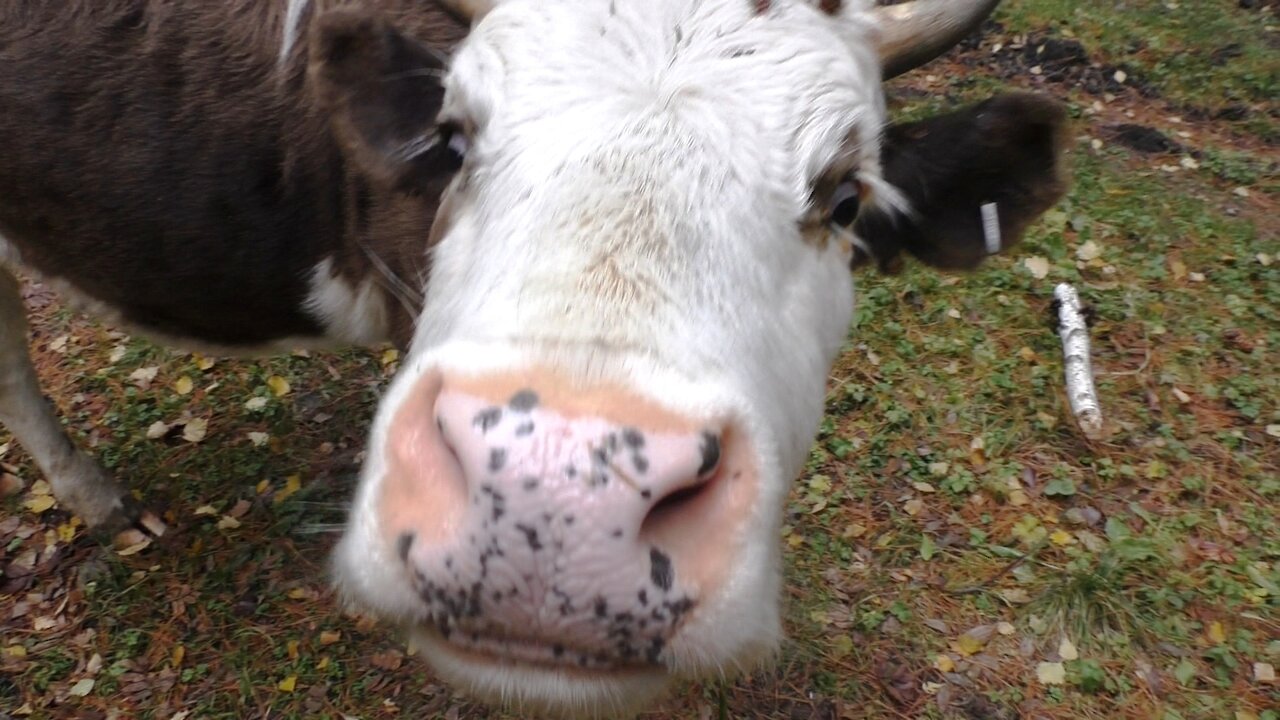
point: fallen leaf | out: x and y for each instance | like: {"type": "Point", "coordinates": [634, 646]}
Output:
{"type": "Point", "coordinates": [1264, 672]}
{"type": "Point", "coordinates": [1181, 396]}
{"type": "Point", "coordinates": [206, 510]}
{"type": "Point", "coordinates": [1037, 266]}
{"type": "Point", "coordinates": [292, 484]}
{"type": "Point", "coordinates": [117, 354]}
{"type": "Point", "coordinates": [184, 385]}
{"type": "Point", "coordinates": [228, 523]}
{"type": "Point", "coordinates": [1178, 269]}
{"type": "Point", "coordinates": [10, 485]}
{"type": "Point", "coordinates": [1005, 628]}
{"type": "Point", "coordinates": [924, 487]}
{"type": "Point", "coordinates": [1089, 251]}
{"type": "Point", "coordinates": [195, 430]}
{"type": "Point", "coordinates": [1051, 673]}
{"type": "Point", "coordinates": [157, 430]}
{"type": "Point", "coordinates": [66, 532]}
{"type": "Point", "coordinates": [81, 688]}
{"type": "Point", "coordinates": [944, 663]}
{"type": "Point", "coordinates": [291, 649]}
{"type": "Point", "coordinates": [15, 651]}
{"type": "Point", "coordinates": [255, 403]}
{"type": "Point", "coordinates": [287, 684]}
{"type": "Point", "coordinates": [1216, 633]}
{"type": "Point", "coordinates": [973, 640]}
{"type": "Point", "coordinates": [259, 438]}
{"type": "Point", "coordinates": [39, 503]}
{"type": "Point", "coordinates": [1273, 431]}
{"type": "Point", "coordinates": [329, 637]}
{"type": "Point", "coordinates": [279, 386]}
{"type": "Point", "coordinates": [204, 363]}
{"type": "Point", "coordinates": [389, 356]}
{"type": "Point", "coordinates": [913, 506]}
{"type": "Point", "coordinates": [1061, 537]}
{"type": "Point", "coordinates": [179, 653]}
{"type": "Point", "coordinates": [42, 623]}
{"type": "Point", "coordinates": [144, 376]}
{"type": "Point", "coordinates": [1067, 650]}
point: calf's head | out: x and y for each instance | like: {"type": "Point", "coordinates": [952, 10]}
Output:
{"type": "Point", "coordinates": [639, 280]}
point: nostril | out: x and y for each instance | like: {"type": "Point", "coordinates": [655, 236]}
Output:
{"type": "Point", "coordinates": [404, 543]}
{"type": "Point", "coordinates": [710, 454]}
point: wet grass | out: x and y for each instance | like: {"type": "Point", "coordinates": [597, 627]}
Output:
{"type": "Point", "coordinates": [952, 527]}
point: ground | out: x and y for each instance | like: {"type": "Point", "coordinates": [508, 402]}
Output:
{"type": "Point", "coordinates": [956, 547]}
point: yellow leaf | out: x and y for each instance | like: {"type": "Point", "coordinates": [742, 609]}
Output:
{"type": "Point", "coordinates": [854, 530]}
{"type": "Point", "coordinates": [228, 523]}
{"type": "Point", "coordinates": [795, 541]}
{"type": "Point", "coordinates": [967, 645]}
{"type": "Point", "coordinates": [203, 362]}
{"type": "Point", "coordinates": [15, 651]}
{"type": "Point", "coordinates": [263, 486]}
{"type": "Point", "coordinates": [206, 510]}
{"type": "Point", "coordinates": [1005, 628]}
{"type": "Point", "coordinates": [1061, 537]}
{"type": "Point", "coordinates": [390, 356]}
{"type": "Point", "coordinates": [1264, 672]}
{"type": "Point", "coordinates": [1067, 650]}
{"type": "Point", "coordinates": [913, 506]}
{"type": "Point", "coordinates": [299, 594]}
{"type": "Point", "coordinates": [292, 484]}
{"type": "Point", "coordinates": [1216, 633]}
{"type": "Point", "coordinates": [925, 487]}
{"type": "Point", "coordinates": [1178, 269]}
{"type": "Point", "coordinates": [329, 637]}
{"type": "Point", "coordinates": [324, 663]}
{"type": "Point", "coordinates": [944, 663]}
{"type": "Point", "coordinates": [1051, 673]}
{"type": "Point", "coordinates": [291, 648]}
{"type": "Point", "coordinates": [66, 532]}
{"type": "Point", "coordinates": [39, 503]}
{"type": "Point", "coordinates": [178, 654]}
{"type": "Point", "coordinates": [288, 684]}
{"type": "Point", "coordinates": [41, 487]}
{"type": "Point", "coordinates": [184, 385]}
{"type": "Point", "coordinates": [279, 386]}
{"type": "Point", "coordinates": [1018, 498]}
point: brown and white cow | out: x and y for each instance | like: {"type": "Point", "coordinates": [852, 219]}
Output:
{"type": "Point", "coordinates": [620, 322]}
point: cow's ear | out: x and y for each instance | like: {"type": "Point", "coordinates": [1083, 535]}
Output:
{"type": "Point", "coordinates": [998, 162]}
{"type": "Point", "coordinates": [383, 92]}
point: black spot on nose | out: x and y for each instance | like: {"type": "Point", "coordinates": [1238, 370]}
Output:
{"type": "Point", "coordinates": [523, 401]}
{"type": "Point", "coordinates": [486, 419]}
{"type": "Point", "coordinates": [660, 570]}
{"type": "Point", "coordinates": [633, 438]}
{"type": "Point", "coordinates": [403, 544]}
{"type": "Point", "coordinates": [710, 453]}
{"type": "Point", "coordinates": [497, 459]}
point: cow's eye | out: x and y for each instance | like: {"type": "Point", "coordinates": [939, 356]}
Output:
{"type": "Point", "coordinates": [845, 201]}
{"type": "Point", "coordinates": [454, 145]}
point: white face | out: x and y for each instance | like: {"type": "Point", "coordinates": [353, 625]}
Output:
{"type": "Point", "coordinates": [575, 486]}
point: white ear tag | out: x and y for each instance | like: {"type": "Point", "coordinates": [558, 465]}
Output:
{"type": "Point", "coordinates": [991, 228]}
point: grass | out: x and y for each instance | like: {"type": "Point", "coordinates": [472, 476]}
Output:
{"type": "Point", "coordinates": [951, 529]}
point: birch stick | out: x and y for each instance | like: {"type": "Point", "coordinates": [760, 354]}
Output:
{"type": "Point", "coordinates": [1074, 332]}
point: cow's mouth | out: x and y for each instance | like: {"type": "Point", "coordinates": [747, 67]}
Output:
{"type": "Point", "coordinates": [498, 648]}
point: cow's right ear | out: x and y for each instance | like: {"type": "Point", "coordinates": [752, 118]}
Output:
{"type": "Point", "coordinates": [383, 92]}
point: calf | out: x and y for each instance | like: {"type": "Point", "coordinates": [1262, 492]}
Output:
{"type": "Point", "coordinates": [635, 286]}
{"type": "Point", "coordinates": [170, 166]}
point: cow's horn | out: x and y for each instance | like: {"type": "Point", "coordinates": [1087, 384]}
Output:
{"type": "Point", "coordinates": [916, 32]}
{"type": "Point", "coordinates": [469, 10]}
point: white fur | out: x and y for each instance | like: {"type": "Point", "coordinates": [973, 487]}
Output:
{"type": "Point", "coordinates": [292, 28]}
{"type": "Point", "coordinates": [629, 214]}
{"type": "Point", "coordinates": [351, 314]}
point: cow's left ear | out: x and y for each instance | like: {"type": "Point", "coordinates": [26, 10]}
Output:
{"type": "Point", "coordinates": [383, 91]}
{"type": "Point", "coordinates": [964, 173]}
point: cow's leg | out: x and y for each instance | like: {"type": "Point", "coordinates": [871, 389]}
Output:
{"type": "Point", "coordinates": [79, 483]}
